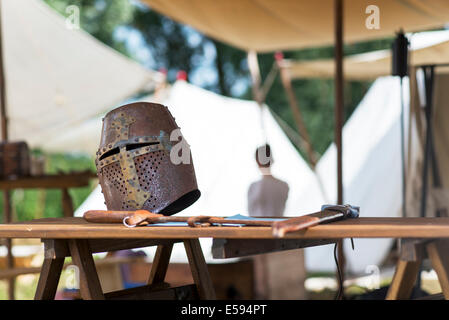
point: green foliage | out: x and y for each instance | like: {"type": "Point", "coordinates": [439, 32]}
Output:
{"type": "Point", "coordinates": [173, 47]}
{"type": "Point", "coordinates": [100, 18]}
{"type": "Point", "coordinates": [231, 66]}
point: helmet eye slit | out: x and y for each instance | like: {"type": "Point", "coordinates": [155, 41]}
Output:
{"type": "Point", "coordinates": [139, 145]}
{"type": "Point", "coordinates": [110, 153]}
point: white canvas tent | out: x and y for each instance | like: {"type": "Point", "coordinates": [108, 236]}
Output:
{"type": "Point", "coordinates": [371, 156]}
{"type": "Point", "coordinates": [223, 134]}
{"type": "Point", "coordinates": [82, 139]}
{"type": "Point", "coordinates": [57, 77]}
{"type": "Point", "coordinates": [372, 159]}
{"type": "Point", "coordinates": [372, 172]}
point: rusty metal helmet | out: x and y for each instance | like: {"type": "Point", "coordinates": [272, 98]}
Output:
{"type": "Point", "coordinates": [134, 163]}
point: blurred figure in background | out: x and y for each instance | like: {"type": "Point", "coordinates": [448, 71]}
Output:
{"type": "Point", "coordinates": [277, 275]}
{"type": "Point", "coordinates": [266, 197]}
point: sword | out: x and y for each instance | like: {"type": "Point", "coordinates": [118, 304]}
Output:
{"type": "Point", "coordinates": [328, 213]}
{"type": "Point", "coordinates": [140, 217]}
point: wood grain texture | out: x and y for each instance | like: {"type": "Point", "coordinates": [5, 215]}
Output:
{"type": "Point", "coordinates": [232, 248]}
{"type": "Point", "coordinates": [64, 228]}
{"type": "Point", "coordinates": [403, 280]}
{"type": "Point", "coordinates": [438, 252]}
{"type": "Point", "coordinates": [159, 292]}
{"type": "Point", "coordinates": [90, 286]}
{"type": "Point", "coordinates": [67, 203]}
{"type": "Point", "coordinates": [57, 248]}
{"type": "Point", "coordinates": [49, 279]}
{"type": "Point", "coordinates": [160, 264]}
{"type": "Point", "coordinates": [54, 181]}
{"type": "Point", "coordinates": [413, 249]}
{"type": "Point", "coordinates": [200, 273]}
{"type": "Point", "coordinates": [12, 273]}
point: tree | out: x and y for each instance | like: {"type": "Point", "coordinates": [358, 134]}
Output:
{"type": "Point", "coordinates": [100, 18]}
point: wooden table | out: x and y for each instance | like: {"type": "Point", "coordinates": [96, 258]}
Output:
{"type": "Point", "coordinates": [62, 181]}
{"type": "Point", "coordinates": [63, 228]}
{"type": "Point", "coordinates": [79, 239]}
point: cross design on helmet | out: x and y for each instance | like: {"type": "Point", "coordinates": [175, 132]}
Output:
{"type": "Point", "coordinates": [124, 151]}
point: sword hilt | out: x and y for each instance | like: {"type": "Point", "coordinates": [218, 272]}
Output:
{"type": "Point", "coordinates": [348, 210]}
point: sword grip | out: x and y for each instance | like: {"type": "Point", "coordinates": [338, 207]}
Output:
{"type": "Point", "coordinates": [105, 216]}
{"type": "Point", "coordinates": [102, 216]}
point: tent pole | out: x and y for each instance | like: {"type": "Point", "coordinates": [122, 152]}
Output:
{"type": "Point", "coordinates": [339, 102]}
{"type": "Point", "coordinates": [294, 107]}
{"type": "Point", "coordinates": [6, 194]}
{"type": "Point", "coordinates": [160, 87]}
{"type": "Point", "coordinates": [4, 119]}
{"type": "Point", "coordinates": [253, 65]}
{"type": "Point", "coordinates": [268, 82]}
{"type": "Point", "coordinates": [254, 70]}
{"type": "Point", "coordinates": [428, 78]}
{"type": "Point", "coordinates": [339, 111]}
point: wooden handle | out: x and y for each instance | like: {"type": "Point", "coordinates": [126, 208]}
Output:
{"type": "Point", "coordinates": [139, 217]}
{"type": "Point", "coordinates": [280, 228]}
{"type": "Point", "coordinates": [105, 216]}
{"type": "Point", "coordinates": [101, 216]}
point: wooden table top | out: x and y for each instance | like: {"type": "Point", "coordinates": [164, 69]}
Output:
{"type": "Point", "coordinates": [78, 228]}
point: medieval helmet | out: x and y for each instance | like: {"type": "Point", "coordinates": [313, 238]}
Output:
{"type": "Point", "coordinates": [135, 161]}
